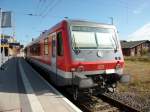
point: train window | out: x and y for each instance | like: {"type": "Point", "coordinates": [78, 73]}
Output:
{"type": "Point", "coordinates": [46, 46]}
{"type": "Point", "coordinates": [38, 49]}
{"type": "Point", "coordinates": [59, 44]}
{"type": "Point", "coordinates": [46, 41]}
{"type": "Point", "coordinates": [53, 46]}
{"type": "Point", "coordinates": [105, 40]}
{"type": "Point", "coordinates": [35, 49]}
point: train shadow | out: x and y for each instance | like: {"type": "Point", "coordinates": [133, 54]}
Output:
{"type": "Point", "coordinates": [44, 74]}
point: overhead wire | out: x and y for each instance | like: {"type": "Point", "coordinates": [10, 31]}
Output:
{"type": "Point", "coordinates": [38, 6]}
{"type": "Point", "coordinates": [51, 8]}
{"type": "Point", "coordinates": [46, 7]}
{"type": "Point", "coordinates": [126, 8]}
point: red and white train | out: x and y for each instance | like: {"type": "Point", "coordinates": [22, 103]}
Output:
{"type": "Point", "coordinates": [80, 54]}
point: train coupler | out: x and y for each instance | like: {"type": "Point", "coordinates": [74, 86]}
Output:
{"type": "Point", "coordinates": [83, 81]}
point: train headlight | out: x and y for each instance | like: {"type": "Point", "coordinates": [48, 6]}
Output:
{"type": "Point", "coordinates": [80, 68]}
{"type": "Point", "coordinates": [73, 69]}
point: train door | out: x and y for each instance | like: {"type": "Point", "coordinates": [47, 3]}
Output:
{"type": "Point", "coordinates": [57, 54]}
{"type": "Point", "coordinates": [53, 59]}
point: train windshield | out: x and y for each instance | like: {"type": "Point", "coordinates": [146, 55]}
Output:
{"type": "Point", "coordinates": [93, 38]}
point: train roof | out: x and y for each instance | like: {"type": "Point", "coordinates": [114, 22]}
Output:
{"type": "Point", "coordinates": [73, 22]}
{"type": "Point", "coordinates": [89, 23]}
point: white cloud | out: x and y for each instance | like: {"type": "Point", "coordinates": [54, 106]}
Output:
{"type": "Point", "coordinates": [140, 8]}
{"type": "Point", "coordinates": [137, 11]}
{"type": "Point", "coordinates": [142, 33]}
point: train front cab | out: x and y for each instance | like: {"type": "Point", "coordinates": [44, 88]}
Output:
{"type": "Point", "coordinates": [97, 60]}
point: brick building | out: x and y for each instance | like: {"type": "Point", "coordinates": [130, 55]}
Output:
{"type": "Point", "coordinates": [135, 48]}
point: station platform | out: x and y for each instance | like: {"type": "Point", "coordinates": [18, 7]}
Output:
{"type": "Point", "coordinates": [22, 89]}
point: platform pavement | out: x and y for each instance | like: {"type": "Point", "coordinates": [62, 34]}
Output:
{"type": "Point", "coordinates": [3, 59]}
{"type": "Point", "coordinates": [9, 94]}
{"type": "Point", "coordinates": [22, 89]}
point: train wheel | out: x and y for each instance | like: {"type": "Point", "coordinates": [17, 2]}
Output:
{"type": "Point", "coordinates": [114, 85]}
{"type": "Point", "coordinates": [75, 93]}
{"type": "Point", "coordinates": [112, 88]}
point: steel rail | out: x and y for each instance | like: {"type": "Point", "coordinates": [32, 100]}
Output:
{"type": "Point", "coordinates": [118, 104]}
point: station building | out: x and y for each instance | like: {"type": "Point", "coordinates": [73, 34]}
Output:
{"type": "Point", "coordinates": [10, 46]}
{"type": "Point", "coordinates": [135, 48]}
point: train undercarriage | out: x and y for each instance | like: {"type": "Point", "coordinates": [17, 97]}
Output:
{"type": "Point", "coordinates": [94, 84]}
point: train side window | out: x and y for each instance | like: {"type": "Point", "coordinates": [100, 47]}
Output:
{"type": "Point", "coordinates": [53, 47]}
{"type": "Point", "coordinates": [46, 46]}
{"type": "Point", "coordinates": [59, 44]}
{"type": "Point", "coordinates": [37, 49]}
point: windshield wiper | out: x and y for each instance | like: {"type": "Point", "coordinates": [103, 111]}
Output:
{"type": "Point", "coordinates": [116, 44]}
{"type": "Point", "coordinates": [76, 49]}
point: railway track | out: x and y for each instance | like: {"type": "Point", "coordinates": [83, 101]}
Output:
{"type": "Point", "coordinates": [99, 103]}
{"type": "Point", "coordinates": [103, 103]}
{"type": "Point", "coordinates": [94, 104]}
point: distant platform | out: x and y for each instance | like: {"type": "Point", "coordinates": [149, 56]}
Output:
{"type": "Point", "coordinates": [22, 89]}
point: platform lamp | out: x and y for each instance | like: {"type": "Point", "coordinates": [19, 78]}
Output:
{"type": "Point", "coordinates": [0, 36]}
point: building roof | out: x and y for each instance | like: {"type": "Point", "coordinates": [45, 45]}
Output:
{"type": "Point", "coordinates": [131, 44]}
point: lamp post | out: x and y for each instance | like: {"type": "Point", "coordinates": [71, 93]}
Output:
{"type": "Point", "coordinates": [5, 22]}
{"type": "Point", "coordinates": [0, 37]}
{"type": "Point", "coordinates": [1, 41]}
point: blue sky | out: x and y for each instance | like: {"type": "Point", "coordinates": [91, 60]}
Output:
{"type": "Point", "coordinates": [129, 15]}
